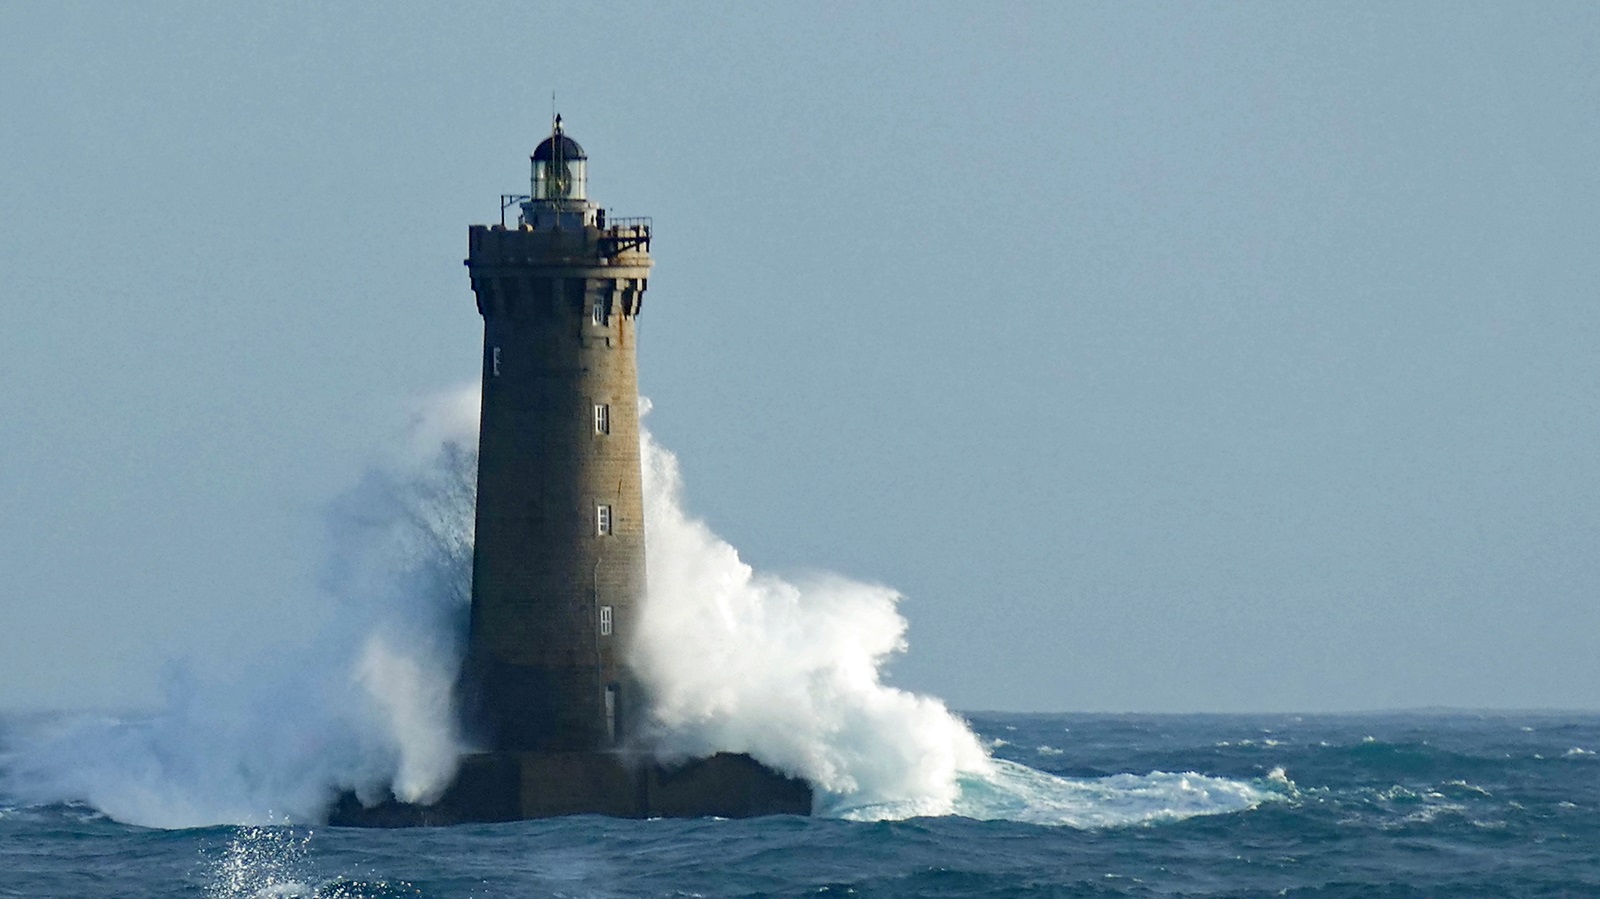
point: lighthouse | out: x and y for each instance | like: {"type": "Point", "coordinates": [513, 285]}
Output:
{"type": "Point", "coordinates": [558, 572]}
{"type": "Point", "coordinates": [546, 696]}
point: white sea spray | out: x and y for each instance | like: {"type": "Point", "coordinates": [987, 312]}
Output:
{"type": "Point", "coordinates": [364, 706]}
{"type": "Point", "coordinates": [787, 670]}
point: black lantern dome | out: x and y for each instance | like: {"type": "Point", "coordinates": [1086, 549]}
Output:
{"type": "Point", "coordinates": [560, 168]}
{"type": "Point", "coordinates": [560, 146]}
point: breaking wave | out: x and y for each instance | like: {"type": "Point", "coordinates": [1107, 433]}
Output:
{"type": "Point", "coordinates": [365, 706]}
{"type": "Point", "coordinates": [1015, 792]}
{"type": "Point", "coordinates": [745, 662]}
{"type": "Point", "coordinates": [735, 660]}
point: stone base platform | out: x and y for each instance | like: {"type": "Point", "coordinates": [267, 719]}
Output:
{"type": "Point", "coordinates": [513, 786]}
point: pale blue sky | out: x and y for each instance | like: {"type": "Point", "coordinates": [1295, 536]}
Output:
{"type": "Point", "coordinates": [1168, 357]}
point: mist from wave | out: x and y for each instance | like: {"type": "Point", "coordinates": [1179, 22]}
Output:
{"type": "Point", "coordinates": [365, 706]}
{"type": "Point", "coordinates": [734, 660]}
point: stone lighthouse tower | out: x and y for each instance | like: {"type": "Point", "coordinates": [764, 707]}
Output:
{"type": "Point", "coordinates": [558, 573]}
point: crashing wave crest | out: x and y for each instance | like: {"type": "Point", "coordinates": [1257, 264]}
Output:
{"type": "Point", "coordinates": [734, 660]}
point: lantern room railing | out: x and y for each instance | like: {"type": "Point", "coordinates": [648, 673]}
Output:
{"type": "Point", "coordinates": [616, 235]}
{"type": "Point", "coordinates": [622, 234]}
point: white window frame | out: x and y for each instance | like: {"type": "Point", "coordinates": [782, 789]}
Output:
{"type": "Point", "coordinates": [605, 621]}
{"type": "Point", "coordinates": [598, 313]}
{"type": "Point", "coordinates": [602, 520]}
{"type": "Point", "coordinates": [602, 418]}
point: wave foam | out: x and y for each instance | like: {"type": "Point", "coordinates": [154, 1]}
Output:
{"type": "Point", "coordinates": [365, 706]}
{"type": "Point", "coordinates": [789, 673]}
{"type": "Point", "coordinates": [1011, 791]}
{"type": "Point", "coordinates": [734, 660]}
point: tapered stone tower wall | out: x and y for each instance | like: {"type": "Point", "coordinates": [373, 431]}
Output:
{"type": "Point", "coordinates": [559, 567]}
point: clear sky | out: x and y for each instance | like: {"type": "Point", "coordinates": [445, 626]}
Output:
{"type": "Point", "coordinates": [1168, 357]}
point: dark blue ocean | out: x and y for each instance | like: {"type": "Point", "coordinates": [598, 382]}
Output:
{"type": "Point", "coordinates": [1387, 805]}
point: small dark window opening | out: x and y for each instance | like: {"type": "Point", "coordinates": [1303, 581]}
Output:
{"type": "Point", "coordinates": [613, 727]}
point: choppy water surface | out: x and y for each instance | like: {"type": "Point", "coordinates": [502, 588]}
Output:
{"type": "Point", "coordinates": [217, 791]}
{"type": "Point", "coordinates": [1426, 804]}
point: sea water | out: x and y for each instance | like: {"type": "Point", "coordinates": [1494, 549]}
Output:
{"type": "Point", "coordinates": [221, 789]}
{"type": "Point", "coordinates": [1390, 805]}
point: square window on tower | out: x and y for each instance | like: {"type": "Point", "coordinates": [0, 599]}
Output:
{"type": "Point", "coordinates": [602, 418]}
{"type": "Point", "coordinates": [602, 520]}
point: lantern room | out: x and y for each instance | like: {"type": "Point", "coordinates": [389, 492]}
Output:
{"type": "Point", "coordinates": [560, 168]}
